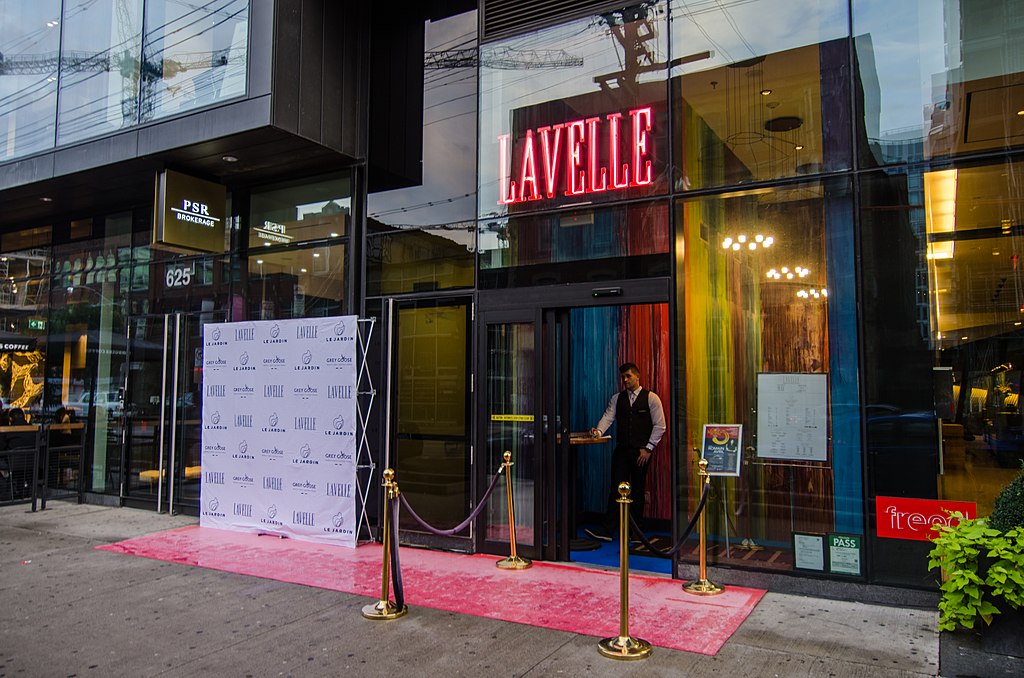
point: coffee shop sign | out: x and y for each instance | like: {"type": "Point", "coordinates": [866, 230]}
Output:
{"type": "Point", "coordinates": [578, 157]}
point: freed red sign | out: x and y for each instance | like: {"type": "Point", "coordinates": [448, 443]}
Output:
{"type": "Point", "coordinates": [903, 518]}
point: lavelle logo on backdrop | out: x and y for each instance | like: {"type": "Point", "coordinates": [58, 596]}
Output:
{"type": "Point", "coordinates": [212, 506]}
{"type": "Point", "coordinates": [304, 518]}
{"type": "Point", "coordinates": [245, 334]}
{"type": "Point", "coordinates": [306, 456]}
{"type": "Point", "coordinates": [214, 477]}
{"type": "Point", "coordinates": [273, 390]}
{"type": "Point", "coordinates": [307, 363]}
{"type": "Point", "coordinates": [273, 426]}
{"type": "Point", "coordinates": [243, 451]}
{"type": "Point", "coordinates": [339, 333]}
{"type": "Point", "coordinates": [273, 483]}
{"type": "Point", "coordinates": [243, 421]}
{"type": "Point", "coordinates": [271, 515]}
{"type": "Point", "coordinates": [343, 490]}
{"type": "Point", "coordinates": [216, 391]}
{"type": "Point", "coordinates": [275, 336]}
{"type": "Point", "coordinates": [306, 331]}
{"type": "Point", "coordinates": [242, 510]}
{"type": "Point", "coordinates": [340, 392]}
{"type": "Point", "coordinates": [305, 423]}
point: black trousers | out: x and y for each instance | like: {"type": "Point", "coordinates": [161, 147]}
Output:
{"type": "Point", "coordinates": [625, 468]}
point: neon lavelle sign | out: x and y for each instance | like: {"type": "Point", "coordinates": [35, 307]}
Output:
{"type": "Point", "coordinates": [577, 157]}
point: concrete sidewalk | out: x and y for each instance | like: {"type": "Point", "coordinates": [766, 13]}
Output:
{"type": "Point", "coordinates": [70, 610]}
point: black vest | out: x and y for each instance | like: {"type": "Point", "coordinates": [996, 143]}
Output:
{"type": "Point", "coordinates": [635, 424]}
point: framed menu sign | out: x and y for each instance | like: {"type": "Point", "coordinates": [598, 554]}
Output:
{"type": "Point", "coordinates": [721, 448]}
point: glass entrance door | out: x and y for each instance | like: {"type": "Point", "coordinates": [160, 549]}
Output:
{"type": "Point", "coordinates": [162, 428]}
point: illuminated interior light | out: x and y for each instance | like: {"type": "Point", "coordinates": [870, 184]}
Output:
{"type": "Point", "coordinates": [316, 255]}
{"type": "Point", "coordinates": [334, 235]}
{"type": "Point", "coordinates": [824, 292]}
{"type": "Point", "coordinates": [735, 246]}
{"type": "Point", "coordinates": [758, 238]}
{"type": "Point", "coordinates": [727, 243]}
{"type": "Point", "coordinates": [964, 338]}
{"type": "Point", "coordinates": [741, 238]}
{"type": "Point", "coordinates": [789, 276]}
{"type": "Point", "coordinates": [765, 92]}
{"type": "Point", "coordinates": [752, 245]}
{"type": "Point", "coordinates": [259, 261]}
{"type": "Point", "coordinates": [798, 147]}
{"type": "Point", "coordinates": [785, 269]}
{"type": "Point", "coordinates": [768, 241]}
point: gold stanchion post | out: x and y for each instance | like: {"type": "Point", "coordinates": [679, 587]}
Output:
{"type": "Point", "coordinates": [384, 608]}
{"type": "Point", "coordinates": [514, 561]}
{"type": "Point", "coordinates": [624, 646]}
{"type": "Point", "coordinates": [703, 587]}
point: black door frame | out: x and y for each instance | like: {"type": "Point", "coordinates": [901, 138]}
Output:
{"type": "Point", "coordinates": [548, 308]}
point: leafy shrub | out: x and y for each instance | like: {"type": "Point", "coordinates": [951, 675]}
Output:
{"type": "Point", "coordinates": [982, 567]}
{"type": "Point", "coordinates": [1008, 512]}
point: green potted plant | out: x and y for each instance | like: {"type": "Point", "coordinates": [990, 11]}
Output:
{"type": "Point", "coordinates": [981, 608]}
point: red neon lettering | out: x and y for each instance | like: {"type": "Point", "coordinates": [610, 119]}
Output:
{"type": "Point", "coordinates": [580, 170]}
{"type": "Point", "coordinates": [529, 173]}
{"type": "Point", "coordinates": [620, 173]}
{"type": "Point", "coordinates": [642, 168]}
{"type": "Point", "coordinates": [577, 178]}
{"type": "Point", "coordinates": [550, 152]}
{"type": "Point", "coordinates": [592, 158]}
{"type": "Point", "coordinates": [506, 188]}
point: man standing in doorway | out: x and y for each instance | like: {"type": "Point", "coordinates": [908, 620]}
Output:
{"type": "Point", "coordinates": [641, 419]}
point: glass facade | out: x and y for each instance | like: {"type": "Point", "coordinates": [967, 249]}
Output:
{"type": "Point", "coordinates": [81, 69]}
{"type": "Point", "coordinates": [802, 218]}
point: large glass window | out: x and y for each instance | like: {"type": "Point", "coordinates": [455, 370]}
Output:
{"type": "Point", "coordinates": [768, 331]}
{"type": "Point", "coordinates": [99, 73]}
{"type": "Point", "coordinates": [29, 43]}
{"type": "Point", "coordinates": [600, 243]}
{"type": "Point", "coordinates": [575, 114]}
{"type": "Point", "coordinates": [944, 331]}
{"type": "Point", "coordinates": [938, 78]}
{"type": "Point", "coordinates": [297, 283]}
{"type": "Point", "coordinates": [760, 90]}
{"type": "Point", "coordinates": [423, 237]}
{"type": "Point", "coordinates": [193, 54]}
{"type": "Point", "coordinates": [300, 211]}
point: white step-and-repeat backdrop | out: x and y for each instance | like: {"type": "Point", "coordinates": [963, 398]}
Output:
{"type": "Point", "coordinates": [279, 428]}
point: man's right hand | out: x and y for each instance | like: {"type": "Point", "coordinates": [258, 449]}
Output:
{"type": "Point", "coordinates": [594, 433]}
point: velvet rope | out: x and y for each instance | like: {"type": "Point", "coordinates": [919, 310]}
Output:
{"type": "Point", "coordinates": [671, 553]}
{"type": "Point", "coordinates": [461, 526]}
{"type": "Point", "coordinates": [396, 567]}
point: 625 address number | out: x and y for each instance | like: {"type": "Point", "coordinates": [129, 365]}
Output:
{"type": "Point", "coordinates": [178, 277]}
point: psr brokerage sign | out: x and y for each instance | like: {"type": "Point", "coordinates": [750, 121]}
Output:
{"type": "Point", "coordinates": [189, 213]}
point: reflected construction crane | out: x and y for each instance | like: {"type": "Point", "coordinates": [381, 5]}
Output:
{"type": "Point", "coordinates": [503, 58]}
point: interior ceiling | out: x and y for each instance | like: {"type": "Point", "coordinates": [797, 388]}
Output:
{"type": "Point", "coordinates": [981, 288]}
{"type": "Point", "coordinates": [729, 100]}
{"type": "Point", "coordinates": [261, 154]}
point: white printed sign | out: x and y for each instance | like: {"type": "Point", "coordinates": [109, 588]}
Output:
{"type": "Point", "coordinates": [279, 428]}
{"type": "Point", "coordinates": [792, 416]}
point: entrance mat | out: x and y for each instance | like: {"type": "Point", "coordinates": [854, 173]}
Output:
{"type": "Point", "coordinates": [575, 599]}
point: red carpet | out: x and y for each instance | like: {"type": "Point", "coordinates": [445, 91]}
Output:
{"type": "Point", "coordinates": [549, 595]}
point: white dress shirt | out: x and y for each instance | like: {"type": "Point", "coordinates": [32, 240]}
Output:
{"type": "Point", "coordinates": [657, 415]}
